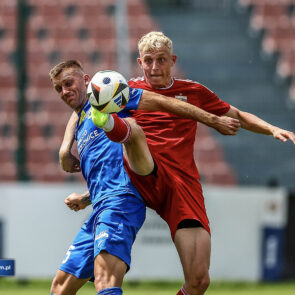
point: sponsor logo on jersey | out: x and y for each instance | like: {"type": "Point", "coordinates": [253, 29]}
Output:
{"type": "Point", "coordinates": [181, 97]}
{"type": "Point", "coordinates": [88, 114]}
{"type": "Point", "coordinates": [86, 138]}
{"type": "Point", "coordinates": [82, 117]}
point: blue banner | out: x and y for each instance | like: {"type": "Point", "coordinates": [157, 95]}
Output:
{"type": "Point", "coordinates": [7, 267]}
{"type": "Point", "coordinates": [272, 253]}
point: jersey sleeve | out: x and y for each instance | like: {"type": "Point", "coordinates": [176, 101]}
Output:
{"type": "Point", "coordinates": [134, 99]}
{"type": "Point", "coordinates": [211, 103]}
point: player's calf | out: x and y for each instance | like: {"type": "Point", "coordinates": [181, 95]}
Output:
{"type": "Point", "coordinates": [66, 284]}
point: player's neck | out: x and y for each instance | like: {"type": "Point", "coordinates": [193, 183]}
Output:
{"type": "Point", "coordinates": [81, 106]}
{"type": "Point", "coordinates": [168, 84]}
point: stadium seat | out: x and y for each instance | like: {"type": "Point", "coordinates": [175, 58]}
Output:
{"type": "Point", "coordinates": [8, 144]}
{"type": "Point", "coordinates": [218, 173]}
{"type": "Point", "coordinates": [268, 16]}
{"type": "Point", "coordinates": [292, 91]}
{"type": "Point", "coordinates": [265, 2]}
{"type": "Point", "coordinates": [9, 95]}
{"type": "Point", "coordinates": [286, 63]}
{"type": "Point", "coordinates": [278, 39]}
{"type": "Point", "coordinates": [211, 163]}
{"type": "Point", "coordinates": [8, 171]}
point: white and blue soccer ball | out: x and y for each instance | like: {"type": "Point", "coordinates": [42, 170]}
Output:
{"type": "Point", "coordinates": [108, 92]}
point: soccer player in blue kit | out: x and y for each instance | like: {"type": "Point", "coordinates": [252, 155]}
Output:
{"type": "Point", "coordinates": [102, 247]}
{"type": "Point", "coordinates": [101, 250]}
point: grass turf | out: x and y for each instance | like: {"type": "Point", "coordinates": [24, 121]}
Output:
{"type": "Point", "coordinates": [39, 287]}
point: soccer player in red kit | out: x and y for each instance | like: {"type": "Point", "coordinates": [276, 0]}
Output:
{"type": "Point", "coordinates": [177, 195]}
{"type": "Point", "coordinates": [174, 190]}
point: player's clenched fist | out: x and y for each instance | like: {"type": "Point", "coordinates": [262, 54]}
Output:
{"type": "Point", "coordinates": [77, 201]}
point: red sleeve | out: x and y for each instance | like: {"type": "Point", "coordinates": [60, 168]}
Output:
{"type": "Point", "coordinates": [211, 103]}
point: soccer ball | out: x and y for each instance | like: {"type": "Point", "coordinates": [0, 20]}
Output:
{"type": "Point", "coordinates": [108, 92]}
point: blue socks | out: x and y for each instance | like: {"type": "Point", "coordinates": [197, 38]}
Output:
{"type": "Point", "coordinates": [111, 291]}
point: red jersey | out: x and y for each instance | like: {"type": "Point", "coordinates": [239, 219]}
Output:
{"type": "Point", "coordinates": [171, 141]}
{"type": "Point", "coordinates": [171, 136]}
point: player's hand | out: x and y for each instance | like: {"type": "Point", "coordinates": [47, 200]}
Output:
{"type": "Point", "coordinates": [226, 125]}
{"type": "Point", "coordinates": [69, 162]}
{"type": "Point", "coordinates": [283, 135]}
{"type": "Point", "coordinates": [75, 202]}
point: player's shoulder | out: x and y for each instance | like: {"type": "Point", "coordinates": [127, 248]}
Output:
{"type": "Point", "coordinates": [136, 81]}
{"type": "Point", "coordinates": [187, 82]}
{"type": "Point", "coordinates": [191, 84]}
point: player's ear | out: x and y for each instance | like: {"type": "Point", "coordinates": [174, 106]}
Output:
{"type": "Point", "coordinates": [139, 61]}
{"type": "Point", "coordinates": [174, 59]}
{"type": "Point", "coordinates": [87, 79]}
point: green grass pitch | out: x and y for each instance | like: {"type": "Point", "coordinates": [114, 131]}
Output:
{"type": "Point", "coordinates": [36, 287]}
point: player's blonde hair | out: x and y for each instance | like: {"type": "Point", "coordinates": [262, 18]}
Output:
{"type": "Point", "coordinates": [154, 40]}
{"type": "Point", "coordinates": [69, 64]}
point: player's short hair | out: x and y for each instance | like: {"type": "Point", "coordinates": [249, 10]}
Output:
{"type": "Point", "coordinates": [68, 64]}
{"type": "Point", "coordinates": [154, 40]}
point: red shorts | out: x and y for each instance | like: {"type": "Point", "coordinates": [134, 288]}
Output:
{"type": "Point", "coordinates": [171, 196]}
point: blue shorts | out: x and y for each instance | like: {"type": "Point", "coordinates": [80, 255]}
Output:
{"type": "Point", "coordinates": [111, 227]}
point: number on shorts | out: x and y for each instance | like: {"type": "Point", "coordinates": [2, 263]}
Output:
{"type": "Point", "coordinates": [68, 254]}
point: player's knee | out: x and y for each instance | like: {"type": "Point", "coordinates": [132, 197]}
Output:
{"type": "Point", "coordinates": [198, 283]}
{"type": "Point", "coordinates": [101, 282]}
{"type": "Point", "coordinates": [136, 131]}
{"type": "Point", "coordinates": [56, 286]}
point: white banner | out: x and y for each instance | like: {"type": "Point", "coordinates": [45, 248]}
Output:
{"type": "Point", "coordinates": [39, 228]}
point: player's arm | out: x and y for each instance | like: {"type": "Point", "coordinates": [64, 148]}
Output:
{"type": "Point", "coordinates": [77, 201]}
{"type": "Point", "coordinates": [67, 160]}
{"type": "Point", "coordinates": [255, 124]}
{"type": "Point", "coordinates": [155, 102]}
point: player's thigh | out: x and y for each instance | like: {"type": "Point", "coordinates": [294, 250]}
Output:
{"type": "Point", "coordinates": [194, 248]}
{"type": "Point", "coordinates": [109, 271]}
{"type": "Point", "coordinates": [137, 152]}
{"type": "Point", "coordinates": [66, 284]}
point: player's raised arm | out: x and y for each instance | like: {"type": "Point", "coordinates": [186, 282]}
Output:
{"type": "Point", "coordinates": [255, 124]}
{"type": "Point", "coordinates": [155, 102]}
{"type": "Point", "coordinates": [67, 160]}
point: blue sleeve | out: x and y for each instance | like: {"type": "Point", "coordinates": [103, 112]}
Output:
{"type": "Point", "coordinates": [134, 99]}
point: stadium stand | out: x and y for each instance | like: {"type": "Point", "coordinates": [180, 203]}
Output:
{"type": "Point", "coordinates": [276, 19]}
{"type": "Point", "coordinates": [59, 30]}
{"type": "Point", "coordinates": [8, 104]}
{"type": "Point", "coordinates": [220, 50]}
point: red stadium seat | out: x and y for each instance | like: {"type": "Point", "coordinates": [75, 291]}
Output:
{"type": "Point", "coordinates": [286, 63]}
{"type": "Point", "coordinates": [8, 171]}
{"type": "Point", "coordinates": [265, 2]}
{"type": "Point", "coordinates": [268, 16]}
{"type": "Point", "coordinates": [214, 169]}
{"type": "Point", "coordinates": [279, 39]}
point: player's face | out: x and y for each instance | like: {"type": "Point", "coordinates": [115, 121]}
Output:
{"type": "Point", "coordinates": [157, 66]}
{"type": "Point", "coordinates": [71, 85]}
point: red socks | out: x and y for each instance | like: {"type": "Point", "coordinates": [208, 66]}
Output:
{"type": "Point", "coordinates": [182, 291]}
{"type": "Point", "coordinates": [121, 131]}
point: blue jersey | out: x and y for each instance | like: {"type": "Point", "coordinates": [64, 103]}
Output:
{"type": "Point", "coordinates": [101, 159]}
{"type": "Point", "coordinates": [118, 210]}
